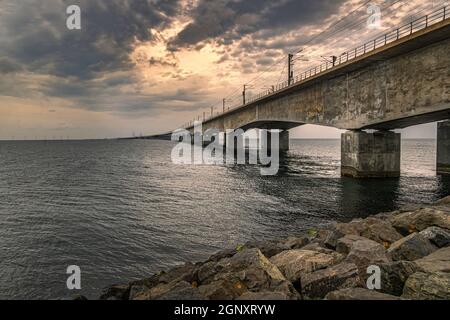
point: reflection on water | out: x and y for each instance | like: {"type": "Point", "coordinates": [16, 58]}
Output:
{"type": "Point", "coordinates": [121, 210]}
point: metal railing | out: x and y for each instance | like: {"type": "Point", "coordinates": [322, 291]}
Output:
{"type": "Point", "coordinates": [374, 44]}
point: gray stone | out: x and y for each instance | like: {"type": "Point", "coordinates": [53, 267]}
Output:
{"type": "Point", "coordinates": [359, 294]}
{"type": "Point", "coordinates": [264, 296]}
{"type": "Point", "coordinates": [295, 243]}
{"type": "Point", "coordinates": [428, 286]}
{"type": "Point", "coordinates": [222, 290]}
{"type": "Point", "coordinates": [394, 276]}
{"type": "Point", "coordinates": [438, 261]}
{"type": "Point", "coordinates": [410, 222]}
{"type": "Point", "coordinates": [268, 248]}
{"type": "Point", "coordinates": [294, 263]}
{"type": "Point", "coordinates": [180, 290]}
{"type": "Point", "coordinates": [248, 270]}
{"type": "Point", "coordinates": [117, 292]}
{"type": "Point", "coordinates": [411, 248]}
{"type": "Point", "coordinates": [367, 252]}
{"type": "Point", "coordinates": [371, 228]}
{"type": "Point", "coordinates": [317, 284]}
{"type": "Point", "coordinates": [345, 244]}
{"type": "Point", "coordinates": [438, 236]}
{"type": "Point", "coordinates": [314, 246]}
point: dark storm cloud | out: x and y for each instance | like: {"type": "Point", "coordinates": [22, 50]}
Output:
{"type": "Point", "coordinates": [228, 20]}
{"type": "Point", "coordinates": [35, 34]}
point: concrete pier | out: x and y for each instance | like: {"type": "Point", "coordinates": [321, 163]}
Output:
{"type": "Point", "coordinates": [283, 143]}
{"type": "Point", "coordinates": [443, 148]}
{"type": "Point", "coordinates": [370, 155]}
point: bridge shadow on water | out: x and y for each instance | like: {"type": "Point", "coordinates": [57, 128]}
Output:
{"type": "Point", "coordinates": [309, 186]}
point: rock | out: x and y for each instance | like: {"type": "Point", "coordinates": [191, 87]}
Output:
{"type": "Point", "coordinates": [316, 285]}
{"type": "Point", "coordinates": [294, 263]}
{"type": "Point", "coordinates": [409, 222]}
{"type": "Point", "coordinates": [366, 252]}
{"type": "Point", "coordinates": [411, 248]}
{"type": "Point", "coordinates": [394, 276]}
{"type": "Point", "coordinates": [428, 286]}
{"type": "Point", "coordinates": [179, 273]}
{"type": "Point", "coordinates": [222, 255]}
{"type": "Point", "coordinates": [248, 270]}
{"type": "Point", "coordinates": [443, 202]}
{"type": "Point", "coordinates": [268, 248]}
{"type": "Point", "coordinates": [295, 243]}
{"type": "Point", "coordinates": [177, 290]}
{"type": "Point", "coordinates": [117, 292]}
{"type": "Point", "coordinates": [79, 297]}
{"type": "Point", "coordinates": [359, 294]}
{"type": "Point", "coordinates": [314, 246]}
{"type": "Point", "coordinates": [264, 296]}
{"type": "Point", "coordinates": [222, 290]}
{"type": "Point", "coordinates": [345, 244]}
{"type": "Point", "coordinates": [439, 261]}
{"type": "Point", "coordinates": [371, 228]}
{"type": "Point", "coordinates": [332, 238]}
{"type": "Point", "coordinates": [437, 236]}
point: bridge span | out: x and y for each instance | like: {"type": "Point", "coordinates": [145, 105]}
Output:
{"type": "Point", "coordinates": [395, 81]}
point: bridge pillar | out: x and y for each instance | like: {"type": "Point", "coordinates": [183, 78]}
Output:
{"type": "Point", "coordinates": [370, 155]}
{"type": "Point", "coordinates": [283, 143]}
{"type": "Point", "coordinates": [443, 147]}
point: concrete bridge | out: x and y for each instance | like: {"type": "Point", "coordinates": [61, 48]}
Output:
{"type": "Point", "coordinates": [397, 80]}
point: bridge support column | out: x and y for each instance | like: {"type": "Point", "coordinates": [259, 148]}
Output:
{"type": "Point", "coordinates": [370, 155]}
{"type": "Point", "coordinates": [284, 141]}
{"type": "Point", "coordinates": [443, 147]}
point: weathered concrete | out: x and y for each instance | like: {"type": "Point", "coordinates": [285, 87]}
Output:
{"type": "Point", "coordinates": [443, 147]}
{"type": "Point", "coordinates": [370, 155]}
{"type": "Point", "coordinates": [284, 141]}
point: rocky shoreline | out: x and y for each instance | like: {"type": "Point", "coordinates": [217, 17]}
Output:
{"type": "Point", "coordinates": [411, 248]}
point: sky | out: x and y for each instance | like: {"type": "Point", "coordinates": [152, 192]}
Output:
{"type": "Point", "coordinates": [149, 66]}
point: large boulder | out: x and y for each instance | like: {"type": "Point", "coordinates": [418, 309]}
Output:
{"type": "Point", "coordinates": [359, 294]}
{"type": "Point", "coordinates": [248, 270]}
{"type": "Point", "coordinates": [268, 248]}
{"type": "Point", "coordinates": [295, 263]}
{"type": "Point", "coordinates": [116, 292]}
{"type": "Point", "coordinates": [345, 244]}
{"type": "Point", "coordinates": [416, 221]}
{"type": "Point", "coordinates": [428, 286]}
{"type": "Point", "coordinates": [410, 248]}
{"type": "Point", "coordinates": [317, 284]}
{"type": "Point", "coordinates": [179, 273]}
{"type": "Point", "coordinates": [364, 253]}
{"type": "Point", "coordinates": [294, 243]}
{"type": "Point", "coordinates": [437, 236]}
{"type": "Point", "coordinates": [176, 290]}
{"type": "Point", "coordinates": [264, 296]}
{"type": "Point", "coordinates": [394, 276]}
{"type": "Point", "coordinates": [371, 228]}
{"type": "Point", "coordinates": [443, 202]}
{"type": "Point", "coordinates": [438, 261]}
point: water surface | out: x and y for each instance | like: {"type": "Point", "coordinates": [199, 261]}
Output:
{"type": "Point", "coordinates": [121, 210]}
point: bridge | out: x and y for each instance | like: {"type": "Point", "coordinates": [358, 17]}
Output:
{"type": "Point", "coordinates": [397, 80]}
